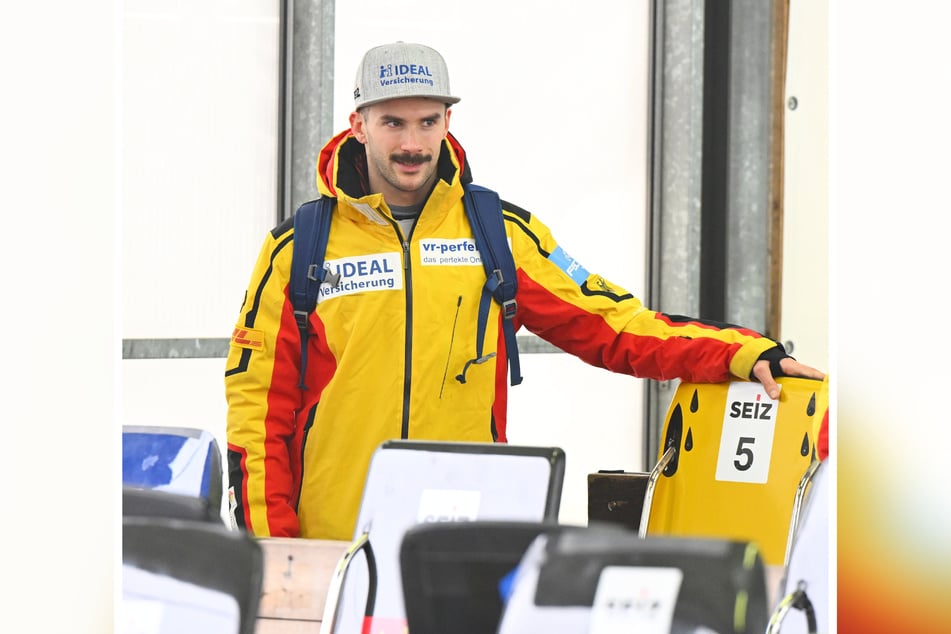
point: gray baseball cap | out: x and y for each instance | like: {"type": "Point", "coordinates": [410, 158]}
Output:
{"type": "Point", "coordinates": [401, 69]}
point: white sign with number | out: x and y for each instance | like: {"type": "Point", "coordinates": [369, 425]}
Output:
{"type": "Point", "coordinates": [746, 442]}
{"type": "Point", "coordinates": [635, 599]}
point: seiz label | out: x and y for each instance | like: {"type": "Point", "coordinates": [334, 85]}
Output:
{"type": "Point", "coordinates": [635, 599]}
{"type": "Point", "coordinates": [746, 441]}
{"type": "Point", "coordinates": [448, 505]}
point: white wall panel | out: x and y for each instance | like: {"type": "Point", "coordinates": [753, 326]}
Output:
{"type": "Point", "coordinates": [199, 94]}
{"type": "Point", "coordinates": [805, 300]}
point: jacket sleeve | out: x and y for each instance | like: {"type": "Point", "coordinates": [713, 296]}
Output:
{"type": "Point", "coordinates": [586, 315]}
{"type": "Point", "coordinates": [263, 399]}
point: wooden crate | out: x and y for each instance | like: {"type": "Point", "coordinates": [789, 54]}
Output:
{"type": "Point", "coordinates": [297, 574]}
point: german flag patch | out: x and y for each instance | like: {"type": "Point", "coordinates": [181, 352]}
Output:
{"type": "Point", "coordinates": [248, 338]}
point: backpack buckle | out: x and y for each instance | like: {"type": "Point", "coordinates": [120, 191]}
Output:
{"type": "Point", "coordinates": [509, 308]}
{"type": "Point", "coordinates": [323, 275]}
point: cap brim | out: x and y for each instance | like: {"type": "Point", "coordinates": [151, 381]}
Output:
{"type": "Point", "coordinates": [441, 98]}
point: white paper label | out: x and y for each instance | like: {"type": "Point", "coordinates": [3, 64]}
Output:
{"type": "Point", "coordinates": [746, 441]}
{"type": "Point", "coordinates": [635, 599]}
{"type": "Point", "coordinates": [448, 505]}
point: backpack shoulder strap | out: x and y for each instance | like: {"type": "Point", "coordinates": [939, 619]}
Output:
{"type": "Point", "coordinates": [484, 210]}
{"type": "Point", "coordinates": [311, 232]}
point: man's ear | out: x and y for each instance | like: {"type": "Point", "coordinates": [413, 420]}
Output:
{"type": "Point", "coordinates": [358, 127]}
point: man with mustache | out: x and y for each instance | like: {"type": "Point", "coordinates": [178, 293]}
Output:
{"type": "Point", "coordinates": [387, 345]}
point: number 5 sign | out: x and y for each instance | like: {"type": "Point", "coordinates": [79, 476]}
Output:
{"type": "Point", "coordinates": [746, 442]}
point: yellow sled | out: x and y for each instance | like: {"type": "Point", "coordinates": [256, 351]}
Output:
{"type": "Point", "coordinates": [734, 463]}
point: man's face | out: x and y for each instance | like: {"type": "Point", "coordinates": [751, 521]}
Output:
{"type": "Point", "coordinates": [402, 138]}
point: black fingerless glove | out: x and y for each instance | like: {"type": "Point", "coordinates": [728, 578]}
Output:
{"type": "Point", "coordinates": [774, 355]}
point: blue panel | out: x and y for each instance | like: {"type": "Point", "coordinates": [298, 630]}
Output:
{"type": "Point", "coordinates": [146, 458]}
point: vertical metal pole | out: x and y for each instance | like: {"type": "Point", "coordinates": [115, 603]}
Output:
{"type": "Point", "coordinates": [748, 156]}
{"type": "Point", "coordinates": [307, 96]}
{"type": "Point", "coordinates": [285, 108]}
{"type": "Point", "coordinates": [676, 156]}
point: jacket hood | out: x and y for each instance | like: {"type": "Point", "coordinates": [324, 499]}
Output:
{"type": "Point", "coordinates": [342, 166]}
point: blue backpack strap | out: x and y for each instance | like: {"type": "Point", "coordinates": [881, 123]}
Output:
{"type": "Point", "coordinates": [311, 232]}
{"type": "Point", "coordinates": [484, 210]}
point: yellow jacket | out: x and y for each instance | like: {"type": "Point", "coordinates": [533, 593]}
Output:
{"type": "Point", "coordinates": [388, 342]}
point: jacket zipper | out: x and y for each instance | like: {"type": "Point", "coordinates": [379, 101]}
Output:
{"type": "Point", "coordinates": [408, 353]}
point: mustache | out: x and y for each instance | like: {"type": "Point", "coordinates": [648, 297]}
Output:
{"type": "Point", "coordinates": [411, 159]}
